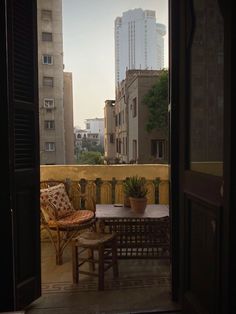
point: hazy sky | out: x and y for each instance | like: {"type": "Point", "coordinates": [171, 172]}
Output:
{"type": "Point", "coordinates": [88, 40]}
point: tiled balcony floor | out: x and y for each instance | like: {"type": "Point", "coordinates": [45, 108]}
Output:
{"type": "Point", "coordinates": [142, 285]}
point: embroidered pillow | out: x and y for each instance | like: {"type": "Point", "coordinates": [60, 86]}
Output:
{"type": "Point", "coordinates": [58, 196]}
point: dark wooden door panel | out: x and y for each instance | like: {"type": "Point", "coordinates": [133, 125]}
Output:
{"type": "Point", "coordinates": [202, 249]}
{"type": "Point", "coordinates": [200, 145]}
{"type": "Point", "coordinates": [204, 187]}
{"type": "Point", "coordinates": [20, 129]}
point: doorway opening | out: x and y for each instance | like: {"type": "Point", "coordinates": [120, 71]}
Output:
{"type": "Point", "coordinates": [135, 140]}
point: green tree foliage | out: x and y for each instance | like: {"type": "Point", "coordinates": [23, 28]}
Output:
{"type": "Point", "coordinates": [157, 101]}
{"type": "Point", "coordinates": [90, 146]}
{"type": "Point", "coordinates": [91, 158]}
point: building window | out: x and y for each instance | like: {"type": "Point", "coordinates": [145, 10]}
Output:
{"type": "Point", "coordinates": [123, 117]}
{"type": "Point", "coordinates": [88, 126]}
{"type": "Point", "coordinates": [48, 81]}
{"type": "Point", "coordinates": [49, 124]}
{"type": "Point", "coordinates": [134, 150]}
{"type": "Point", "coordinates": [158, 149]}
{"type": "Point", "coordinates": [134, 107]}
{"type": "Point", "coordinates": [112, 138]}
{"type": "Point", "coordinates": [78, 135]}
{"type": "Point", "coordinates": [119, 119]}
{"type": "Point", "coordinates": [119, 148]}
{"type": "Point", "coordinates": [46, 15]}
{"type": "Point", "coordinates": [50, 147]}
{"type": "Point", "coordinates": [117, 145]}
{"type": "Point", "coordinates": [47, 59]}
{"type": "Point", "coordinates": [46, 36]}
{"type": "Point", "coordinates": [48, 103]}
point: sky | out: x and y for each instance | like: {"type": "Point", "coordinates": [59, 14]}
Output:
{"type": "Point", "coordinates": [89, 53]}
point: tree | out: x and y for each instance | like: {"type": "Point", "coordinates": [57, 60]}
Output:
{"type": "Point", "coordinates": [92, 146]}
{"type": "Point", "coordinates": [92, 158]}
{"type": "Point", "coordinates": [157, 101]}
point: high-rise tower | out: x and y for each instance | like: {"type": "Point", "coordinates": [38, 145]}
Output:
{"type": "Point", "coordinates": [139, 42]}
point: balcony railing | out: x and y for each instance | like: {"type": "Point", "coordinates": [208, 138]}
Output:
{"type": "Point", "coordinates": [105, 182]}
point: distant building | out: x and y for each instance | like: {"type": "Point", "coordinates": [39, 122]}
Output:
{"type": "Point", "coordinates": [139, 42]}
{"type": "Point", "coordinates": [79, 135]}
{"type": "Point", "coordinates": [92, 135]}
{"type": "Point", "coordinates": [96, 126]}
{"type": "Point", "coordinates": [127, 119]}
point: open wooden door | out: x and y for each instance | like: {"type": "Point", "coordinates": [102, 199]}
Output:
{"type": "Point", "coordinates": [20, 219]}
{"type": "Point", "coordinates": [200, 153]}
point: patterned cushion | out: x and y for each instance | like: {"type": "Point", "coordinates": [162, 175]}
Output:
{"type": "Point", "coordinates": [75, 218]}
{"type": "Point", "coordinates": [58, 196]}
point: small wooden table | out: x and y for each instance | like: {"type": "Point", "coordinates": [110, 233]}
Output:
{"type": "Point", "coordinates": [144, 235]}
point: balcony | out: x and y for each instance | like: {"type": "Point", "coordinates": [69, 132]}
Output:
{"type": "Point", "coordinates": [143, 283]}
{"type": "Point", "coordinates": [105, 182]}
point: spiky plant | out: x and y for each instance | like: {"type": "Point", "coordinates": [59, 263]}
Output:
{"type": "Point", "coordinates": [135, 186]}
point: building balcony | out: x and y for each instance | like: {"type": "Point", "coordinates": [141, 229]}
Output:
{"type": "Point", "coordinates": [143, 283]}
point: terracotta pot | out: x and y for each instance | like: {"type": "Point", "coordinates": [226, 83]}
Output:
{"type": "Point", "coordinates": [127, 201]}
{"type": "Point", "coordinates": [138, 204]}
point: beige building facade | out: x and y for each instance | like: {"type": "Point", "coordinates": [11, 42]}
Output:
{"type": "Point", "coordinates": [68, 118]}
{"type": "Point", "coordinates": [133, 143]}
{"type": "Point", "coordinates": [50, 71]}
{"type": "Point", "coordinates": [109, 130]}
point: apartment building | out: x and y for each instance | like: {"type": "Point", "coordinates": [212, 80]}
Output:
{"type": "Point", "coordinates": [95, 126]}
{"type": "Point", "coordinates": [91, 136]}
{"type": "Point", "coordinates": [50, 77]}
{"type": "Point", "coordinates": [128, 119]}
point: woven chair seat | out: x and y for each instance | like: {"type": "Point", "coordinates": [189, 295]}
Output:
{"type": "Point", "coordinates": [93, 239]}
{"type": "Point", "coordinates": [73, 220]}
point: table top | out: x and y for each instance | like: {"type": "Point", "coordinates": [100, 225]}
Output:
{"type": "Point", "coordinates": [119, 211]}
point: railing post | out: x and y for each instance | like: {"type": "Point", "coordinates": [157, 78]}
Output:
{"type": "Point", "coordinates": [113, 189]}
{"type": "Point", "coordinates": [157, 192]}
{"type": "Point", "coordinates": [83, 183]}
{"type": "Point", "coordinates": [98, 183]}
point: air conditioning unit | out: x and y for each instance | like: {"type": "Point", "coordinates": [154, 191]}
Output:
{"type": "Point", "coordinates": [49, 103]}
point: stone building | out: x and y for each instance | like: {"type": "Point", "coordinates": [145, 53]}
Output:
{"type": "Point", "coordinates": [128, 118]}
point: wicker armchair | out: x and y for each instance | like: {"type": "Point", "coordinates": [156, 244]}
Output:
{"type": "Point", "coordinates": [59, 217]}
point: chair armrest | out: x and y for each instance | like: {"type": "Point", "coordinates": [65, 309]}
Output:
{"type": "Point", "coordinates": [48, 211]}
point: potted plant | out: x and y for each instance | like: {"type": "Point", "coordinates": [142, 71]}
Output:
{"type": "Point", "coordinates": [126, 186]}
{"type": "Point", "coordinates": [135, 189]}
